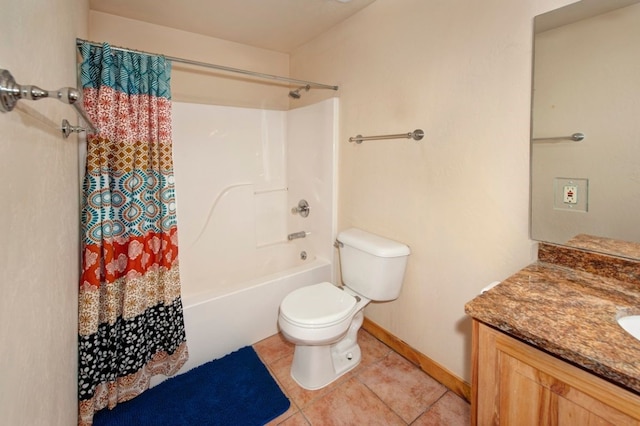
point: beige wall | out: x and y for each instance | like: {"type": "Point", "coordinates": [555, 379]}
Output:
{"type": "Point", "coordinates": [196, 84]}
{"type": "Point", "coordinates": [39, 219]}
{"type": "Point", "coordinates": [461, 71]}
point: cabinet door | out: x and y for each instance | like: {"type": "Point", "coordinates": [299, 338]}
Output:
{"type": "Point", "coordinates": [517, 384]}
{"type": "Point", "coordinates": [532, 397]}
{"type": "Point", "coordinates": [523, 400]}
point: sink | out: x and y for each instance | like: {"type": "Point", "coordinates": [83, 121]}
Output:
{"type": "Point", "coordinates": [631, 324]}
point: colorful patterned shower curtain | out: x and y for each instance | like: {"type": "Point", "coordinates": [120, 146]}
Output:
{"type": "Point", "coordinates": [130, 312]}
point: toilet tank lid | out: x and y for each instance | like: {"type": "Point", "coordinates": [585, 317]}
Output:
{"type": "Point", "coordinates": [373, 244]}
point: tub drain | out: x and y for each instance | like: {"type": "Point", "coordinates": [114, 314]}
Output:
{"type": "Point", "coordinates": [303, 255]}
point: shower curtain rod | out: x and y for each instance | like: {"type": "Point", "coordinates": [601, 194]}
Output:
{"type": "Point", "coordinates": [218, 67]}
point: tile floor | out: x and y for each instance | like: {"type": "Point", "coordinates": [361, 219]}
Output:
{"type": "Point", "coordinates": [385, 389]}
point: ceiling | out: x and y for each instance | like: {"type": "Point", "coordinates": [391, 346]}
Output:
{"type": "Point", "coordinates": [280, 25]}
{"type": "Point", "coordinates": [577, 11]}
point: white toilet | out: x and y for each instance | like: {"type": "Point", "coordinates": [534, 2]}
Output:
{"type": "Point", "coordinates": [323, 320]}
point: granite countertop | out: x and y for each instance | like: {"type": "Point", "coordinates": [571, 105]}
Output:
{"type": "Point", "coordinates": [567, 304]}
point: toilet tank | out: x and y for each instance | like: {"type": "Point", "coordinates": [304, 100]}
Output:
{"type": "Point", "coordinates": [371, 265]}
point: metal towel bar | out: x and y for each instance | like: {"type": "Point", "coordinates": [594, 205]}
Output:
{"type": "Point", "coordinates": [576, 137]}
{"type": "Point", "coordinates": [11, 92]}
{"type": "Point", "coordinates": [417, 135]}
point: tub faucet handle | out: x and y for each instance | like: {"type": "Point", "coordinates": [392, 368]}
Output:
{"type": "Point", "coordinates": [302, 208]}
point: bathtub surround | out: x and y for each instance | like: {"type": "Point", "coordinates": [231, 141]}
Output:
{"type": "Point", "coordinates": [239, 172]}
{"type": "Point", "coordinates": [131, 323]}
{"type": "Point", "coordinates": [234, 390]}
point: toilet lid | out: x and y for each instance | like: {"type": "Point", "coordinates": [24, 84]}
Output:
{"type": "Point", "coordinates": [317, 305]}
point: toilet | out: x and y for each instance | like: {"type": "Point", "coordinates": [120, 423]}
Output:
{"type": "Point", "coordinates": [323, 320]}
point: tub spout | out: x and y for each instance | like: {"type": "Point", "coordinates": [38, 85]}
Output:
{"type": "Point", "coordinates": [295, 235]}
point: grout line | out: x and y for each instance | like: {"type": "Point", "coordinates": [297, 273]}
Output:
{"type": "Point", "coordinates": [381, 400]}
{"type": "Point", "coordinates": [353, 374]}
{"type": "Point", "coordinates": [431, 406]}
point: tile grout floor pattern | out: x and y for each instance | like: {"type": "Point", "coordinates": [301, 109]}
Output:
{"type": "Point", "coordinates": [385, 389]}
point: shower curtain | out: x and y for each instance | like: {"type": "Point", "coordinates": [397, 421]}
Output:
{"type": "Point", "coordinates": [130, 313]}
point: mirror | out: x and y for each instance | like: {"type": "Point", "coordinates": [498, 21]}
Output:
{"type": "Point", "coordinates": [586, 79]}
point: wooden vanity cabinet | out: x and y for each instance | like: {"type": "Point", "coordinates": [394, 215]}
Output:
{"type": "Point", "coordinates": [514, 383]}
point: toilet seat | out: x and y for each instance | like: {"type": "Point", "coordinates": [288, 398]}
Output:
{"type": "Point", "coordinates": [316, 306]}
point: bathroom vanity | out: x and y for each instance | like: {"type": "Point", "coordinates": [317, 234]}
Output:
{"type": "Point", "coordinates": [547, 347]}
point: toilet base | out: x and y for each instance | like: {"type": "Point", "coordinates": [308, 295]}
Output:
{"type": "Point", "coordinates": [314, 367]}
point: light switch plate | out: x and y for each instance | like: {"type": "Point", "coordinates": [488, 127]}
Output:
{"type": "Point", "coordinates": [571, 194]}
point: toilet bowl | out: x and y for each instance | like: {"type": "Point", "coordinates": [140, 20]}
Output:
{"type": "Point", "coordinates": [323, 320]}
{"type": "Point", "coordinates": [319, 314]}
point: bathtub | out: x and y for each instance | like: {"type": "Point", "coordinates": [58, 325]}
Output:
{"type": "Point", "coordinates": [219, 324]}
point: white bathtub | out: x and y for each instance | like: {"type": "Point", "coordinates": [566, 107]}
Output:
{"type": "Point", "coordinates": [218, 325]}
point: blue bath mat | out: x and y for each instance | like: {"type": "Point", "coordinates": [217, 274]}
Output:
{"type": "Point", "coordinates": [234, 390]}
